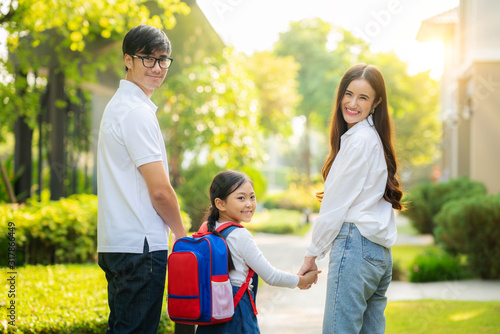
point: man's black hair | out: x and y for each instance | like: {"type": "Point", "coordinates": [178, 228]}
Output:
{"type": "Point", "coordinates": [146, 40]}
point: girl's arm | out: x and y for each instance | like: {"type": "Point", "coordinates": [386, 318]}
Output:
{"type": "Point", "coordinates": [243, 246]}
{"type": "Point", "coordinates": [307, 280]}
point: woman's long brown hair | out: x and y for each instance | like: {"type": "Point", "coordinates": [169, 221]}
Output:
{"type": "Point", "coordinates": [381, 121]}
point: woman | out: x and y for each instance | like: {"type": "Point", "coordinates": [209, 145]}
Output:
{"type": "Point", "coordinates": [356, 219]}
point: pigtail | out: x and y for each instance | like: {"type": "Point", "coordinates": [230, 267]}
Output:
{"type": "Point", "coordinates": [212, 218]}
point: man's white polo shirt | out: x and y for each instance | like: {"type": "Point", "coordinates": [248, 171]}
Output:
{"type": "Point", "coordinates": [129, 137]}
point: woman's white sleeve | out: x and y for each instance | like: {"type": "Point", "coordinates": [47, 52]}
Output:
{"type": "Point", "coordinates": [341, 189]}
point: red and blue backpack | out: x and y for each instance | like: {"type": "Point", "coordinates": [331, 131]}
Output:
{"type": "Point", "coordinates": [199, 290]}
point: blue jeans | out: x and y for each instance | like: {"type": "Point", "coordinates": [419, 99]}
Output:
{"type": "Point", "coordinates": [136, 283]}
{"type": "Point", "coordinates": [359, 274]}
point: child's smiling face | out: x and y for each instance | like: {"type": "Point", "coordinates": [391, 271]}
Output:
{"type": "Point", "coordinates": [239, 206]}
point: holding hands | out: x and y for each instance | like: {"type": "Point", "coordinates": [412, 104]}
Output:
{"type": "Point", "coordinates": [308, 273]}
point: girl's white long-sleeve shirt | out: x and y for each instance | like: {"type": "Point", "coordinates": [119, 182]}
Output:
{"type": "Point", "coordinates": [353, 192]}
{"type": "Point", "coordinates": [245, 253]}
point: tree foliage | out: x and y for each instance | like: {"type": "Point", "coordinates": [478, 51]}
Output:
{"type": "Point", "coordinates": [211, 108]}
{"type": "Point", "coordinates": [325, 52]}
{"type": "Point", "coordinates": [276, 81]}
{"type": "Point", "coordinates": [73, 36]}
{"type": "Point", "coordinates": [55, 48]}
{"type": "Point", "coordinates": [306, 41]}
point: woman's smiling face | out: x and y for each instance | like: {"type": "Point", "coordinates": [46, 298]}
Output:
{"type": "Point", "coordinates": [358, 101]}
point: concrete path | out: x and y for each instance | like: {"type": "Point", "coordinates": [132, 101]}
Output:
{"type": "Point", "coordinates": [294, 311]}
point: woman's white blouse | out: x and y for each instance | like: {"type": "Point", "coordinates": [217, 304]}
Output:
{"type": "Point", "coordinates": [353, 192]}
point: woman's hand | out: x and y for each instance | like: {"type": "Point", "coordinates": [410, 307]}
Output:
{"type": "Point", "coordinates": [309, 265]}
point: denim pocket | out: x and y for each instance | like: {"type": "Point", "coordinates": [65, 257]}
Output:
{"type": "Point", "coordinates": [373, 253]}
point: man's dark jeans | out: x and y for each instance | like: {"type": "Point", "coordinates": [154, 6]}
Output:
{"type": "Point", "coordinates": [136, 283]}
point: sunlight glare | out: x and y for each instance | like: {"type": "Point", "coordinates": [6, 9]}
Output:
{"type": "Point", "coordinates": [425, 56]}
{"type": "Point", "coordinates": [466, 315]}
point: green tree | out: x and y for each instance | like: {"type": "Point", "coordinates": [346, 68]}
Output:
{"type": "Point", "coordinates": [413, 103]}
{"type": "Point", "coordinates": [306, 41]}
{"type": "Point", "coordinates": [324, 53]}
{"type": "Point", "coordinates": [275, 80]}
{"type": "Point", "coordinates": [54, 47]}
{"type": "Point", "coordinates": [211, 112]}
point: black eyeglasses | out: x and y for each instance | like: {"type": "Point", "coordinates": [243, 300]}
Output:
{"type": "Point", "coordinates": [150, 62]}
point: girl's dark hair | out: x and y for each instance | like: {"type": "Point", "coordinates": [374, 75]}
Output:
{"type": "Point", "coordinates": [145, 39]}
{"type": "Point", "coordinates": [381, 121]}
{"type": "Point", "coordinates": [223, 185]}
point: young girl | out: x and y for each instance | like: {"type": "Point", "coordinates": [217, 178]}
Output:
{"type": "Point", "coordinates": [233, 200]}
{"type": "Point", "coordinates": [356, 218]}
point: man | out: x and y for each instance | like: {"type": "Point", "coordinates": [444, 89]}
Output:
{"type": "Point", "coordinates": [137, 206]}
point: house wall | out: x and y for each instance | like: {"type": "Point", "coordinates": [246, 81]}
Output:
{"type": "Point", "coordinates": [478, 92]}
{"type": "Point", "coordinates": [485, 125]}
{"type": "Point", "coordinates": [449, 113]}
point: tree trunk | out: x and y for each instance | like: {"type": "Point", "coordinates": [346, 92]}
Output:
{"type": "Point", "coordinates": [57, 119]}
{"type": "Point", "coordinates": [8, 186]}
{"type": "Point", "coordinates": [40, 154]}
{"type": "Point", "coordinates": [307, 151]}
{"type": "Point", "coordinates": [305, 162]}
{"type": "Point", "coordinates": [22, 159]}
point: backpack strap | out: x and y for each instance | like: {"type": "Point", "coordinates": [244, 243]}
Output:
{"type": "Point", "coordinates": [203, 230]}
{"type": "Point", "coordinates": [225, 229]}
{"type": "Point", "coordinates": [244, 288]}
{"type": "Point", "coordinates": [224, 226]}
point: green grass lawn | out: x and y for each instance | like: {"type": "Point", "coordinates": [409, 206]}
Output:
{"type": "Point", "coordinates": [62, 299]}
{"type": "Point", "coordinates": [443, 317]}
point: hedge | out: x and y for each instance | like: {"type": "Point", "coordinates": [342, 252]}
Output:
{"type": "Point", "coordinates": [426, 199]}
{"type": "Point", "coordinates": [51, 232]}
{"type": "Point", "coordinates": [471, 226]}
{"type": "Point", "coordinates": [276, 222]}
{"type": "Point", "coordinates": [435, 266]}
{"type": "Point", "coordinates": [298, 198]}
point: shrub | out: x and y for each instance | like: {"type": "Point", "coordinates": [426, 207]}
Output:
{"type": "Point", "coordinates": [276, 222]}
{"type": "Point", "coordinates": [425, 200]}
{"type": "Point", "coordinates": [51, 232]}
{"type": "Point", "coordinates": [298, 198]}
{"type": "Point", "coordinates": [434, 266]}
{"type": "Point", "coordinates": [403, 258]}
{"type": "Point", "coordinates": [398, 274]}
{"type": "Point", "coordinates": [472, 227]}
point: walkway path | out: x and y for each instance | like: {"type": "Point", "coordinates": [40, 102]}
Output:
{"type": "Point", "coordinates": [293, 311]}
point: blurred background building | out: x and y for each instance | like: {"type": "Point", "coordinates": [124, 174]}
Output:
{"type": "Point", "coordinates": [470, 89]}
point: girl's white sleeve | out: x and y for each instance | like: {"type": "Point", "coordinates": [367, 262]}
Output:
{"type": "Point", "coordinates": [253, 257]}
